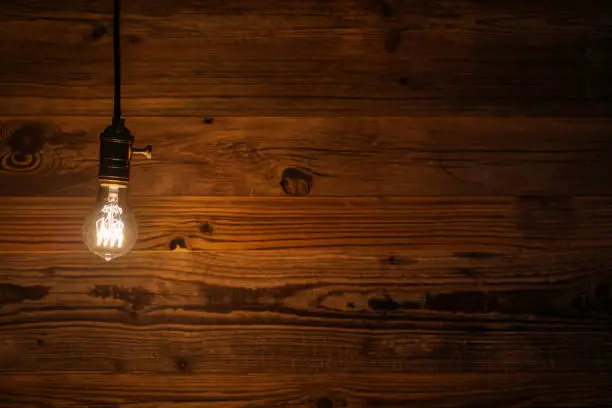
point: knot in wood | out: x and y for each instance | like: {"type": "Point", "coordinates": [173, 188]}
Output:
{"type": "Point", "coordinates": [206, 228]}
{"type": "Point", "coordinates": [296, 182]}
{"type": "Point", "coordinates": [181, 364]}
{"type": "Point", "coordinates": [177, 244]}
{"type": "Point", "coordinates": [98, 32]}
{"type": "Point", "coordinates": [23, 145]}
{"type": "Point", "coordinates": [28, 139]}
{"type": "Point", "coordinates": [20, 162]}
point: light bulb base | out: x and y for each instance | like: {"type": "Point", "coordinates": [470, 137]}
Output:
{"type": "Point", "coordinates": [115, 154]}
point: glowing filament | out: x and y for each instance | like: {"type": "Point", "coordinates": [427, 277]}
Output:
{"type": "Point", "coordinates": [110, 226]}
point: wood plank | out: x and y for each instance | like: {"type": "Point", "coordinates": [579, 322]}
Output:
{"type": "Point", "coordinates": [317, 156]}
{"type": "Point", "coordinates": [322, 289]}
{"type": "Point", "coordinates": [63, 347]}
{"type": "Point", "coordinates": [427, 289]}
{"type": "Point", "coordinates": [192, 58]}
{"type": "Point", "coordinates": [316, 314]}
{"type": "Point", "coordinates": [492, 225]}
{"type": "Point", "coordinates": [335, 389]}
{"type": "Point", "coordinates": [200, 349]}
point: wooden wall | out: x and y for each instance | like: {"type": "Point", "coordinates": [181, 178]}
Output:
{"type": "Point", "coordinates": [352, 204]}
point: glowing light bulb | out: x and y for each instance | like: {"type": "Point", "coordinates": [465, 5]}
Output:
{"type": "Point", "coordinates": [110, 230]}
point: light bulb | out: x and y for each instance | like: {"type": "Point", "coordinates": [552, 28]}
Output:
{"type": "Point", "coordinates": [110, 230]}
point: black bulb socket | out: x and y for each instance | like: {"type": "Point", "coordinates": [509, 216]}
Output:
{"type": "Point", "coordinates": [115, 154]}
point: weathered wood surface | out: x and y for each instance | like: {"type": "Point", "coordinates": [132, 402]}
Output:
{"type": "Point", "coordinates": [306, 329]}
{"type": "Point", "coordinates": [317, 156]}
{"type": "Point", "coordinates": [486, 224]}
{"type": "Point", "coordinates": [348, 57]}
{"type": "Point", "coordinates": [444, 257]}
{"type": "Point", "coordinates": [309, 311]}
{"type": "Point", "coordinates": [320, 287]}
{"type": "Point", "coordinates": [99, 347]}
{"type": "Point", "coordinates": [349, 390]}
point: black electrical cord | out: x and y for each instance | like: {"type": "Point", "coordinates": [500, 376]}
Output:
{"type": "Point", "coordinates": [117, 60]}
{"type": "Point", "coordinates": [116, 142]}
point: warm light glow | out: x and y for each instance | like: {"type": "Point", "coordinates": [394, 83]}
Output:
{"type": "Point", "coordinates": [110, 227]}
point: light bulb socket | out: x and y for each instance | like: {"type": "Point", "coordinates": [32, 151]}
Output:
{"type": "Point", "coordinates": [115, 154]}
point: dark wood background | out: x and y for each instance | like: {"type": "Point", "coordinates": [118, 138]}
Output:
{"type": "Point", "coordinates": [352, 204]}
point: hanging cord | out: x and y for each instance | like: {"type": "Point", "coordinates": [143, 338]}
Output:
{"type": "Point", "coordinates": [117, 60]}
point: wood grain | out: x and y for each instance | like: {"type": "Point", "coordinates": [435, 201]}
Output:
{"type": "Point", "coordinates": [95, 347]}
{"type": "Point", "coordinates": [321, 288]}
{"type": "Point", "coordinates": [331, 157]}
{"type": "Point", "coordinates": [453, 250]}
{"type": "Point", "coordinates": [492, 225]}
{"type": "Point", "coordinates": [312, 312]}
{"type": "Point", "coordinates": [163, 328]}
{"type": "Point", "coordinates": [192, 58]}
{"type": "Point", "coordinates": [334, 389]}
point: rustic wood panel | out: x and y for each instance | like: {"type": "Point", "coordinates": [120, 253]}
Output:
{"type": "Point", "coordinates": [317, 156]}
{"type": "Point", "coordinates": [264, 349]}
{"type": "Point", "coordinates": [194, 349]}
{"type": "Point", "coordinates": [378, 290]}
{"type": "Point", "coordinates": [196, 315]}
{"type": "Point", "coordinates": [309, 58]}
{"type": "Point", "coordinates": [492, 225]}
{"type": "Point", "coordinates": [313, 287]}
{"type": "Point", "coordinates": [335, 389]}
{"type": "Point", "coordinates": [310, 312]}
